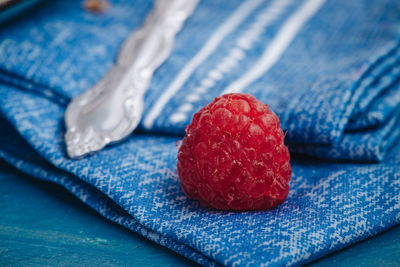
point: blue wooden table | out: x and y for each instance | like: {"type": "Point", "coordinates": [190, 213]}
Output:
{"type": "Point", "coordinates": [43, 224]}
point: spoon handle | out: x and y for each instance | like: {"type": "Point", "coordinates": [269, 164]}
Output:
{"type": "Point", "coordinates": [112, 109]}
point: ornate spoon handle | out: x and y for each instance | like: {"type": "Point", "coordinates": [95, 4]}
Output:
{"type": "Point", "coordinates": [112, 109]}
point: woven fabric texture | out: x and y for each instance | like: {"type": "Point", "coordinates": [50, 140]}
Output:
{"type": "Point", "coordinates": [329, 69]}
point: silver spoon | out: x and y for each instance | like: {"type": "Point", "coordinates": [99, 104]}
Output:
{"type": "Point", "coordinates": [112, 109]}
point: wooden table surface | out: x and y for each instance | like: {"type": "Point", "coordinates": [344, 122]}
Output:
{"type": "Point", "coordinates": [43, 224]}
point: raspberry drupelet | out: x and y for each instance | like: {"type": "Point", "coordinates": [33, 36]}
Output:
{"type": "Point", "coordinates": [233, 155]}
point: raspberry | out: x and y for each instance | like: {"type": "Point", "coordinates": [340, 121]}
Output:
{"type": "Point", "coordinates": [233, 156]}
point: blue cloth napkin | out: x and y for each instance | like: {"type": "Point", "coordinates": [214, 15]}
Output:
{"type": "Point", "coordinates": [329, 69]}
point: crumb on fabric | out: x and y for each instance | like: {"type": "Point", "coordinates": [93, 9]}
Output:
{"type": "Point", "coordinates": [96, 6]}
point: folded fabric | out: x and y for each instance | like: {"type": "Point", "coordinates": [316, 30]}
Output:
{"type": "Point", "coordinates": [330, 69]}
{"type": "Point", "coordinates": [326, 71]}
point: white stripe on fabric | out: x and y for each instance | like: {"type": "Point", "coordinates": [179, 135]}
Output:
{"type": "Point", "coordinates": [226, 28]}
{"type": "Point", "coordinates": [278, 45]}
{"type": "Point", "coordinates": [237, 53]}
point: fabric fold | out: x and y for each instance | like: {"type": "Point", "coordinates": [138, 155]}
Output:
{"type": "Point", "coordinates": [321, 89]}
{"type": "Point", "coordinates": [327, 201]}
{"type": "Point", "coordinates": [27, 161]}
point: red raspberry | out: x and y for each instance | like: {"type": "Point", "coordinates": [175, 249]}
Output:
{"type": "Point", "coordinates": [233, 156]}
